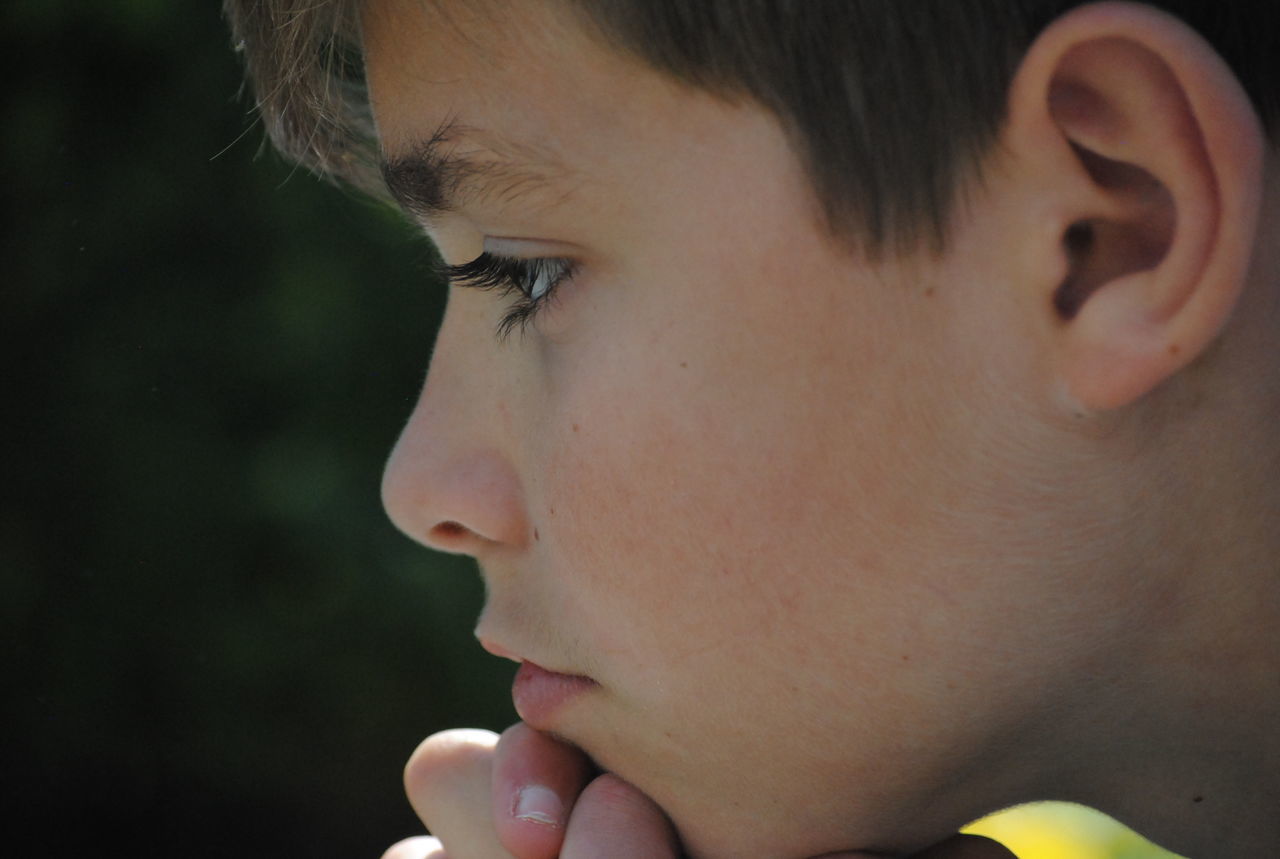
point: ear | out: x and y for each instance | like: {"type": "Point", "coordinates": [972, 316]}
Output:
{"type": "Point", "coordinates": [1150, 157]}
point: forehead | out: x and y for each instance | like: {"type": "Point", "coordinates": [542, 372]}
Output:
{"type": "Point", "coordinates": [526, 71]}
{"type": "Point", "coordinates": [530, 77]}
{"type": "Point", "coordinates": [645, 156]}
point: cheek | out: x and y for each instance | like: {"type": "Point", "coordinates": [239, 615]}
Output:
{"type": "Point", "coordinates": [707, 509]}
{"type": "Point", "coordinates": [640, 501]}
{"type": "Point", "coordinates": [734, 535]}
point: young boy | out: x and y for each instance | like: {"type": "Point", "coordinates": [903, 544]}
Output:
{"type": "Point", "coordinates": [863, 413]}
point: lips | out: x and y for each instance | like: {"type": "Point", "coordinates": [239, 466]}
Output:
{"type": "Point", "coordinates": [540, 695]}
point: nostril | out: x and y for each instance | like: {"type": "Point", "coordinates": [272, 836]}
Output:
{"type": "Point", "coordinates": [449, 531]}
{"type": "Point", "coordinates": [459, 502]}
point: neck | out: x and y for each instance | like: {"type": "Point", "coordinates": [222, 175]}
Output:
{"type": "Point", "coordinates": [1186, 734]}
{"type": "Point", "coordinates": [1192, 758]}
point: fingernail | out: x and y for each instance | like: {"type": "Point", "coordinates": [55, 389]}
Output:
{"type": "Point", "coordinates": [538, 804]}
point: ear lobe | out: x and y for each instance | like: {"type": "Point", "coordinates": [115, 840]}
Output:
{"type": "Point", "coordinates": [1158, 154]}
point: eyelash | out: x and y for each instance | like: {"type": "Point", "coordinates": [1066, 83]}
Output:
{"type": "Point", "coordinates": [515, 279]}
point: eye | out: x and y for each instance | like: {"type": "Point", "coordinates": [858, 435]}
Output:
{"type": "Point", "coordinates": [528, 283]}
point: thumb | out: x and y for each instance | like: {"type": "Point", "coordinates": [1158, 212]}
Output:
{"type": "Point", "coordinates": [611, 818]}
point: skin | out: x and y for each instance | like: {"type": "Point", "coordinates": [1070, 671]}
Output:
{"type": "Point", "coordinates": [855, 551]}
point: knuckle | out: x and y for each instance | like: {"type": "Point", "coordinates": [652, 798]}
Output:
{"type": "Point", "coordinates": [515, 735]}
{"type": "Point", "coordinates": [520, 749]}
{"type": "Point", "coordinates": [613, 812]}
{"type": "Point", "coordinates": [611, 796]}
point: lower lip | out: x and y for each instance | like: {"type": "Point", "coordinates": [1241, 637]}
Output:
{"type": "Point", "coordinates": [539, 694]}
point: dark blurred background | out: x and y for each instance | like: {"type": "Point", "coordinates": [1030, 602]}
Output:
{"type": "Point", "coordinates": [216, 643]}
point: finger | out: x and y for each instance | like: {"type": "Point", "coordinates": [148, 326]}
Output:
{"type": "Point", "coordinates": [448, 780]}
{"type": "Point", "coordinates": [967, 847]}
{"type": "Point", "coordinates": [536, 780]}
{"type": "Point", "coordinates": [421, 847]}
{"type": "Point", "coordinates": [612, 818]}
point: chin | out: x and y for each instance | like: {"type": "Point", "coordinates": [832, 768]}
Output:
{"type": "Point", "coordinates": [775, 810]}
{"type": "Point", "coordinates": [715, 823]}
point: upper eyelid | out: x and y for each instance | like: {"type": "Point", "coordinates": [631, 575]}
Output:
{"type": "Point", "coordinates": [530, 247]}
{"type": "Point", "coordinates": [492, 256]}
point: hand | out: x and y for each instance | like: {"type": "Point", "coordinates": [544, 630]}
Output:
{"type": "Point", "coordinates": [524, 795]}
{"type": "Point", "coordinates": [529, 796]}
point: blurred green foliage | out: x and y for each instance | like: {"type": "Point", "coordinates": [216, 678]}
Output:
{"type": "Point", "coordinates": [219, 646]}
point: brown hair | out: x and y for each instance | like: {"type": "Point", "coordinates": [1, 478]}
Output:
{"type": "Point", "coordinates": [891, 104]}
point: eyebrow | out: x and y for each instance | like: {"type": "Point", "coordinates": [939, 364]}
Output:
{"type": "Point", "coordinates": [433, 178]}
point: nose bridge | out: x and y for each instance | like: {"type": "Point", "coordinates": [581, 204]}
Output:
{"type": "Point", "coordinates": [450, 482]}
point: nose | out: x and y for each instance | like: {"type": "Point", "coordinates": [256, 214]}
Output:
{"type": "Point", "coordinates": [450, 483]}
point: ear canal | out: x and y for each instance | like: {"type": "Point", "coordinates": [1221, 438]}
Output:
{"type": "Point", "coordinates": [1073, 291]}
{"type": "Point", "coordinates": [1135, 236]}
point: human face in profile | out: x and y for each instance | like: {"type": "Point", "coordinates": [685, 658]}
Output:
{"type": "Point", "coordinates": [757, 510]}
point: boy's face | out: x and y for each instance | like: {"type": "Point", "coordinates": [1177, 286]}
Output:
{"type": "Point", "coordinates": [780, 503]}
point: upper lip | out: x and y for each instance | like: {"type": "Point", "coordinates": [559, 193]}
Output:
{"type": "Point", "coordinates": [498, 650]}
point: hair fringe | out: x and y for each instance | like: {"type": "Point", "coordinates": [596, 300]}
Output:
{"type": "Point", "coordinates": [893, 107]}
{"type": "Point", "coordinates": [304, 66]}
